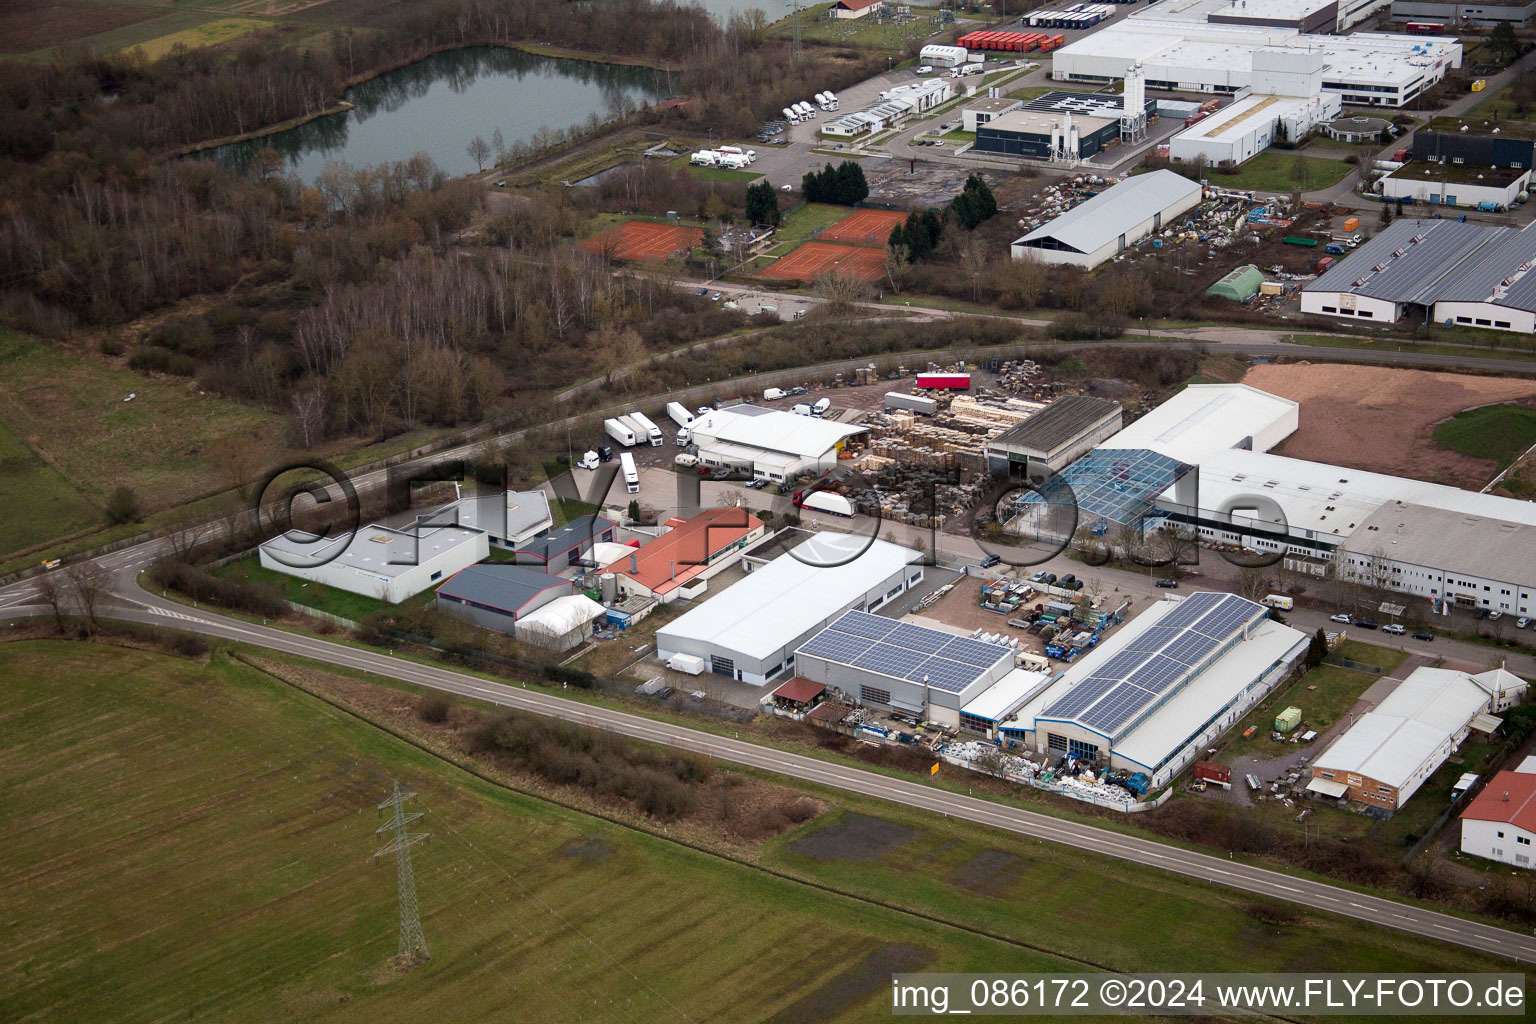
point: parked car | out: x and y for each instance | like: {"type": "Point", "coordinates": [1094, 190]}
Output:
{"type": "Point", "coordinates": [1050, 577]}
{"type": "Point", "coordinates": [1495, 616]}
{"type": "Point", "coordinates": [926, 69]}
{"type": "Point", "coordinates": [702, 291]}
{"type": "Point", "coordinates": [715, 297]}
{"type": "Point", "coordinates": [1037, 577]}
{"type": "Point", "coordinates": [1066, 580]}
{"type": "Point", "coordinates": [1341, 617]}
{"type": "Point", "coordinates": [786, 188]}
{"type": "Point", "coordinates": [1394, 628]}
{"type": "Point", "coordinates": [990, 561]}
{"type": "Point", "coordinates": [1365, 623]}
{"type": "Point", "coordinates": [1522, 623]}
{"type": "Point", "coordinates": [1422, 635]}
{"type": "Point", "coordinates": [1168, 584]}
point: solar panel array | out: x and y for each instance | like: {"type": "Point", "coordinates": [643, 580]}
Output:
{"type": "Point", "coordinates": [1157, 661]}
{"type": "Point", "coordinates": [905, 651]}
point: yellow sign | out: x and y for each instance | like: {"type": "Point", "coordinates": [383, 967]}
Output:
{"type": "Point", "coordinates": [934, 770]}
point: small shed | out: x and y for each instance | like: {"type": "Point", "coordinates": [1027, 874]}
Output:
{"type": "Point", "coordinates": [1240, 285]}
{"type": "Point", "coordinates": [562, 623]}
{"type": "Point", "coordinates": [1288, 719]}
{"type": "Point", "coordinates": [798, 694]}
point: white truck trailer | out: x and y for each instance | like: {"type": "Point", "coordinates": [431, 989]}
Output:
{"type": "Point", "coordinates": [825, 501]}
{"type": "Point", "coordinates": [631, 474]}
{"type": "Point", "coordinates": [648, 430]}
{"type": "Point", "coordinates": [620, 431]}
{"type": "Point", "coordinates": [911, 403]}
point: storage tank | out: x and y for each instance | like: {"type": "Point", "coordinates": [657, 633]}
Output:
{"type": "Point", "coordinates": [608, 586]}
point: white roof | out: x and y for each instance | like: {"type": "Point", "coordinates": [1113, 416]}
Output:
{"type": "Point", "coordinates": [1249, 114]}
{"type": "Point", "coordinates": [771, 608]}
{"type": "Point", "coordinates": [772, 430]}
{"type": "Point", "coordinates": [1094, 224]}
{"type": "Point", "coordinates": [1528, 766]}
{"type": "Point", "coordinates": [606, 552]}
{"type": "Point", "coordinates": [371, 547]}
{"type": "Point", "coordinates": [1391, 742]}
{"type": "Point", "coordinates": [508, 515]}
{"type": "Point", "coordinates": [562, 615]}
{"type": "Point", "coordinates": [1204, 419]}
{"type": "Point", "coordinates": [1007, 694]}
{"type": "Point", "coordinates": [1327, 788]}
{"type": "Point", "coordinates": [1199, 10]}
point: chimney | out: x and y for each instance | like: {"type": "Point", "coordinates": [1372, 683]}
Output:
{"type": "Point", "coordinates": [634, 563]}
{"type": "Point", "coordinates": [671, 568]}
{"type": "Point", "coordinates": [1506, 796]}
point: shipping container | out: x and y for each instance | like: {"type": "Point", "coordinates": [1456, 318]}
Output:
{"type": "Point", "coordinates": [911, 403]}
{"type": "Point", "coordinates": [1288, 719]}
{"type": "Point", "coordinates": [1351, 224]}
{"type": "Point", "coordinates": [944, 381]}
{"type": "Point", "coordinates": [1309, 243]}
{"type": "Point", "coordinates": [1212, 772]}
{"type": "Point", "coordinates": [1324, 263]}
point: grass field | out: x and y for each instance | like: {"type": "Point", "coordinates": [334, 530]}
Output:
{"type": "Point", "coordinates": [194, 841]}
{"type": "Point", "coordinates": [866, 31]}
{"type": "Point", "coordinates": [210, 33]}
{"type": "Point", "coordinates": [1275, 171]}
{"type": "Point", "coordinates": [71, 409]}
{"type": "Point", "coordinates": [41, 504]}
{"type": "Point", "coordinates": [799, 224]}
{"type": "Point", "coordinates": [1499, 432]}
{"type": "Point", "coordinates": [1394, 344]}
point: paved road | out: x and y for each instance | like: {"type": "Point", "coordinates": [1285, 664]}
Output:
{"type": "Point", "coordinates": [134, 604]}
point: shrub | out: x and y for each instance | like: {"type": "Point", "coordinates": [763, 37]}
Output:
{"type": "Point", "coordinates": [571, 676]}
{"type": "Point", "coordinates": [123, 505]}
{"type": "Point", "coordinates": [433, 708]}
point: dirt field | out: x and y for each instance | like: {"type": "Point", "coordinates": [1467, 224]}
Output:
{"type": "Point", "coordinates": [27, 25]}
{"type": "Point", "coordinates": [641, 240]}
{"type": "Point", "coordinates": [813, 259]}
{"type": "Point", "coordinates": [1380, 419]}
{"type": "Point", "coordinates": [961, 609]}
{"type": "Point", "coordinates": [864, 227]}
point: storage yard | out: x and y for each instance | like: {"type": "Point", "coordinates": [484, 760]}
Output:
{"type": "Point", "coordinates": [1382, 419]}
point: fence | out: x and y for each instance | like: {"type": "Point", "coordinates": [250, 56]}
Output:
{"type": "Point", "coordinates": [1358, 666]}
{"type": "Point", "coordinates": [317, 613]}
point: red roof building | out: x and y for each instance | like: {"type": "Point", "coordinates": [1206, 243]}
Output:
{"type": "Point", "coordinates": [798, 691]}
{"type": "Point", "coordinates": [678, 562]}
{"type": "Point", "coordinates": [854, 8]}
{"type": "Point", "coordinates": [1501, 823]}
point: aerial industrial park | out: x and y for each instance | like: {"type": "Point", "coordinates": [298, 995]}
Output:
{"type": "Point", "coordinates": [642, 511]}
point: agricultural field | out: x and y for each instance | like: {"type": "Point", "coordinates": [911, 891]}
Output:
{"type": "Point", "coordinates": [1501, 433]}
{"type": "Point", "coordinates": [210, 33]}
{"type": "Point", "coordinates": [28, 26]}
{"type": "Point", "coordinates": [242, 885]}
{"type": "Point", "coordinates": [41, 503]}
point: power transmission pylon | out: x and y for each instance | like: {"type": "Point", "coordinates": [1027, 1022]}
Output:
{"type": "Point", "coordinates": [413, 944]}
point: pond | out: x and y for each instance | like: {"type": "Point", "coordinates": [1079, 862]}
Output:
{"type": "Point", "coordinates": [439, 104]}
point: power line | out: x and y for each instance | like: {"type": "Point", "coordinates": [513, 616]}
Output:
{"type": "Point", "coordinates": [413, 944]}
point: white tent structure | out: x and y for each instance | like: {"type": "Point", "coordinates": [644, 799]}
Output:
{"type": "Point", "coordinates": [1111, 221]}
{"type": "Point", "coordinates": [561, 624]}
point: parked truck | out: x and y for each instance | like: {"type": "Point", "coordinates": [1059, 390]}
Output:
{"type": "Point", "coordinates": [631, 474]}
{"type": "Point", "coordinates": [620, 432]}
{"type": "Point", "coordinates": [944, 381]}
{"type": "Point", "coordinates": [965, 70]}
{"type": "Point", "coordinates": [648, 429]}
{"type": "Point", "coordinates": [824, 501]}
{"type": "Point", "coordinates": [911, 403]}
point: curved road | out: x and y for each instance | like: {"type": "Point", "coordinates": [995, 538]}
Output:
{"type": "Point", "coordinates": [132, 603]}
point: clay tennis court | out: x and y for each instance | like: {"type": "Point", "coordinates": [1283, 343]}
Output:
{"type": "Point", "coordinates": [813, 259]}
{"type": "Point", "coordinates": [864, 227]}
{"type": "Point", "coordinates": [641, 240]}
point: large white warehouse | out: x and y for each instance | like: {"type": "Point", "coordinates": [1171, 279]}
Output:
{"type": "Point", "coordinates": [1111, 221]}
{"type": "Point", "coordinates": [1154, 695]}
{"type": "Point", "coordinates": [377, 561]}
{"type": "Point", "coordinates": [751, 630]}
{"type": "Point", "coordinates": [776, 445]}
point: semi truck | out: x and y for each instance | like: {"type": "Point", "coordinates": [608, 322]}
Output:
{"type": "Point", "coordinates": [824, 501]}
{"type": "Point", "coordinates": [620, 432]}
{"type": "Point", "coordinates": [631, 474]}
{"type": "Point", "coordinates": [965, 70]}
{"type": "Point", "coordinates": [911, 403]}
{"type": "Point", "coordinates": [647, 429]}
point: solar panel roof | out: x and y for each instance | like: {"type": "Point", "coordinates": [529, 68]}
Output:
{"type": "Point", "coordinates": [1157, 662]}
{"type": "Point", "coordinates": [904, 650]}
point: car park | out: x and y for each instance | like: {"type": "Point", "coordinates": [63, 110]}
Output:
{"type": "Point", "coordinates": [1394, 628]}
{"type": "Point", "coordinates": [1422, 635]}
{"type": "Point", "coordinates": [1365, 623]}
{"type": "Point", "coordinates": [1341, 617]}
{"type": "Point", "coordinates": [1167, 584]}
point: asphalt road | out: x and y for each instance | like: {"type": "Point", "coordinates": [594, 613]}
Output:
{"type": "Point", "coordinates": [132, 603]}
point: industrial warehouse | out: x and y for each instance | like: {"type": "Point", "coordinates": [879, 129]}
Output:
{"type": "Point", "coordinates": [1104, 226]}
{"type": "Point", "coordinates": [1439, 270]}
{"type": "Point", "coordinates": [1151, 697]}
{"type": "Point", "coordinates": [772, 444]}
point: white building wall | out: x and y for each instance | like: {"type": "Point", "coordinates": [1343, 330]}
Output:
{"type": "Point", "coordinates": [1353, 12]}
{"type": "Point", "coordinates": [1454, 193]}
{"type": "Point", "coordinates": [1339, 304]}
{"type": "Point", "coordinates": [1133, 234]}
{"type": "Point", "coordinates": [1366, 564]}
{"type": "Point", "coordinates": [1498, 840]}
{"type": "Point", "coordinates": [407, 583]}
{"type": "Point", "coordinates": [1486, 314]}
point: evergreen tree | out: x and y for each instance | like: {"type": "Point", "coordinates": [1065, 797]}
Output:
{"type": "Point", "coordinates": [762, 205]}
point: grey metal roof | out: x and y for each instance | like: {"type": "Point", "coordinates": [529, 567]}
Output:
{"type": "Point", "coordinates": [500, 585]}
{"type": "Point", "coordinates": [1482, 279]}
{"type": "Point", "coordinates": [505, 515]}
{"type": "Point", "coordinates": [580, 531]}
{"type": "Point", "coordinates": [1417, 258]}
{"type": "Point", "coordinates": [1109, 214]}
{"type": "Point", "coordinates": [1057, 424]}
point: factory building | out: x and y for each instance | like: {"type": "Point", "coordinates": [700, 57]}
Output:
{"type": "Point", "coordinates": [1044, 136]}
{"type": "Point", "coordinates": [1204, 419]}
{"type": "Point", "coordinates": [376, 561]}
{"type": "Point", "coordinates": [1104, 226]}
{"type": "Point", "coordinates": [1389, 752]}
{"type": "Point", "coordinates": [1297, 15]}
{"type": "Point", "coordinates": [1184, 56]}
{"type": "Point", "coordinates": [1434, 269]}
{"type": "Point", "coordinates": [1480, 13]}
{"type": "Point", "coordinates": [941, 56]}
{"type": "Point", "coordinates": [751, 630]}
{"type": "Point", "coordinates": [1477, 142]}
{"type": "Point", "coordinates": [1501, 823]}
{"type": "Point", "coordinates": [1051, 439]}
{"type": "Point", "coordinates": [1154, 695]}
{"type": "Point", "coordinates": [570, 545]}
{"type": "Point", "coordinates": [509, 519]}
{"type": "Point", "coordinates": [981, 111]}
{"type": "Point", "coordinates": [496, 595]}
{"type": "Point", "coordinates": [895, 106]}
{"type": "Point", "coordinates": [773, 444]}
{"type": "Point", "coordinates": [680, 563]}
{"type": "Point", "coordinates": [1286, 101]}
{"type": "Point", "coordinates": [900, 666]}
{"type": "Point", "coordinates": [1452, 184]}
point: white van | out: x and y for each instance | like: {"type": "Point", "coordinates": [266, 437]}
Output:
{"type": "Point", "coordinates": [774, 394]}
{"type": "Point", "coordinates": [803, 409]}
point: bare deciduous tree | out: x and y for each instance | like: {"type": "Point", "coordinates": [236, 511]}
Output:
{"type": "Point", "coordinates": [479, 151]}
{"type": "Point", "coordinates": [88, 583]}
{"type": "Point", "coordinates": [51, 591]}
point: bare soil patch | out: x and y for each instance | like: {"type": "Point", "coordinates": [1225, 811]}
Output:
{"type": "Point", "coordinates": [27, 25]}
{"type": "Point", "coordinates": [1382, 420]}
{"type": "Point", "coordinates": [858, 838]}
{"type": "Point", "coordinates": [990, 873]}
{"type": "Point", "coordinates": [853, 985]}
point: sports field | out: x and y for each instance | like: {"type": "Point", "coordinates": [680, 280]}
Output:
{"type": "Point", "coordinates": [864, 227]}
{"type": "Point", "coordinates": [814, 259]}
{"type": "Point", "coordinates": [642, 240]}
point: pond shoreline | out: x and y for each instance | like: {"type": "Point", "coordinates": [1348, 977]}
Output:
{"type": "Point", "coordinates": [342, 106]}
